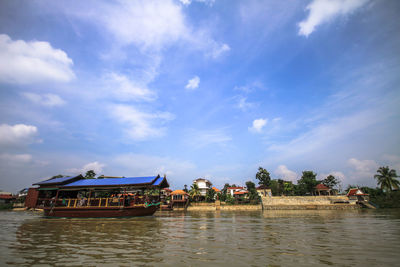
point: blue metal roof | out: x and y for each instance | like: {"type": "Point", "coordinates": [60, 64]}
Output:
{"type": "Point", "coordinates": [114, 181]}
{"type": "Point", "coordinates": [158, 181]}
{"type": "Point", "coordinates": [56, 180]}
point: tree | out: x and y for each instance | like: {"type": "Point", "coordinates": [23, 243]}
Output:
{"type": "Point", "coordinates": [194, 192]}
{"type": "Point", "coordinates": [330, 181]}
{"type": "Point", "coordinates": [210, 195]}
{"type": "Point", "coordinates": [90, 174]}
{"type": "Point", "coordinates": [251, 188]}
{"type": "Point", "coordinates": [288, 188]}
{"type": "Point", "coordinates": [307, 182]}
{"type": "Point", "coordinates": [387, 179]}
{"type": "Point", "coordinates": [185, 188]}
{"type": "Point", "coordinates": [58, 176]}
{"type": "Point", "coordinates": [263, 177]}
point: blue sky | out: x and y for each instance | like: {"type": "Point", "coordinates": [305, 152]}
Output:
{"type": "Point", "coordinates": [199, 89]}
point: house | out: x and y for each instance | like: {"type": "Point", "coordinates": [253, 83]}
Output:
{"type": "Point", "coordinates": [241, 194]}
{"type": "Point", "coordinates": [232, 190]}
{"type": "Point", "coordinates": [357, 194]}
{"type": "Point", "coordinates": [179, 199]}
{"type": "Point", "coordinates": [322, 189]}
{"type": "Point", "coordinates": [166, 192]}
{"type": "Point", "coordinates": [6, 198]}
{"type": "Point", "coordinates": [203, 185]}
{"type": "Point", "coordinates": [263, 191]}
{"type": "Point", "coordinates": [216, 190]}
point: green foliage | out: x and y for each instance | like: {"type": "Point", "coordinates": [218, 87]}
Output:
{"type": "Point", "coordinates": [387, 179]}
{"type": "Point", "coordinates": [210, 195]}
{"type": "Point", "coordinates": [288, 188]}
{"type": "Point", "coordinates": [307, 183]}
{"type": "Point", "coordinates": [253, 195]}
{"type": "Point", "coordinates": [185, 188]}
{"type": "Point", "coordinates": [194, 192]}
{"type": "Point", "coordinates": [58, 176]}
{"type": "Point", "coordinates": [330, 181]}
{"type": "Point", "coordinates": [263, 177]}
{"type": "Point", "coordinates": [152, 192]}
{"type": "Point", "coordinates": [229, 199]}
{"type": "Point", "coordinates": [90, 174]}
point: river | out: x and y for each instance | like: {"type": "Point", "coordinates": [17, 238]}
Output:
{"type": "Point", "coordinates": [259, 238]}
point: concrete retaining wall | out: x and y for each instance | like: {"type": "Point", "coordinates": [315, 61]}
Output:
{"type": "Point", "coordinates": [307, 202]}
{"type": "Point", "coordinates": [213, 207]}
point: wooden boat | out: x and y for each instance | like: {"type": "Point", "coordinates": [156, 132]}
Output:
{"type": "Point", "coordinates": [76, 197]}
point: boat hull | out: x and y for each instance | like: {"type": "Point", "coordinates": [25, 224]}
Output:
{"type": "Point", "coordinates": [100, 212]}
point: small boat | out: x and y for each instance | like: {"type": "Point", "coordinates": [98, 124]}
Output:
{"type": "Point", "coordinates": [77, 197]}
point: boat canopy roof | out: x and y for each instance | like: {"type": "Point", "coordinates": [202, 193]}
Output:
{"type": "Point", "coordinates": [60, 180]}
{"type": "Point", "coordinates": [81, 182]}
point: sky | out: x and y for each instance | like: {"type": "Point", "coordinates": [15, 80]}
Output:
{"type": "Point", "coordinates": [199, 88]}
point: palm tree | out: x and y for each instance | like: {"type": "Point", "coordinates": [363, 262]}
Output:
{"type": "Point", "coordinates": [194, 191]}
{"type": "Point", "coordinates": [387, 178]}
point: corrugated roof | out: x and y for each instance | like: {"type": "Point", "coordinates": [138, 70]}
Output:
{"type": "Point", "coordinates": [56, 180]}
{"type": "Point", "coordinates": [115, 181]}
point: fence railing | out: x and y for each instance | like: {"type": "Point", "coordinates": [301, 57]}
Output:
{"type": "Point", "coordinates": [91, 202]}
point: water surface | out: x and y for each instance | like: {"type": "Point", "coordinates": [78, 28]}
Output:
{"type": "Point", "coordinates": [269, 238]}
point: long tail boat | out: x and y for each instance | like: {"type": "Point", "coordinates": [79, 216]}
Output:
{"type": "Point", "coordinates": [77, 197]}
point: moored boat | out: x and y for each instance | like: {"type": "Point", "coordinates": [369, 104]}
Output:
{"type": "Point", "coordinates": [77, 197]}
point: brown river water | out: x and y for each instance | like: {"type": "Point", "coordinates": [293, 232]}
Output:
{"type": "Point", "coordinates": [258, 238]}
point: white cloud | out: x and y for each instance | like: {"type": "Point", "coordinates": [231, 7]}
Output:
{"type": "Point", "coordinates": [193, 83]}
{"type": "Point", "coordinates": [124, 88]}
{"type": "Point", "coordinates": [243, 104]}
{"type": "Point", "coordinates": [338, 175]}
{"type": "Point", "coordinates": [322, 11]}
{"type": "Point", "coordinates": [50, 100]}
{"type": "Point", "coordinates": [148, 24]}
{"type": "Point", "coordinates": [96, 166]}
{"type": "Point", "coordinates": [200, 139]}
{"type": "Point", "coordinates": [284, 173]}
{"type": "Point", "coordinates": [219, 49]}
{"type": "Point", "coordinates": [186, 2]}
{"type": "Point", "coordinates": [364, 171]}
{"type": "Point", "coordinates": [325, 133]}
{"type": "Point", "coordinates": [363, 165]}
{"type": "Point", "coordinates": [258, 125]}
{"type": "Point", "coordinates": [16, 158]}
{"type": "Point", "coordinates": [18, 134]}
{"type": "Point", "coordinates": [28, 62]}
{"type": "Point", "coordinates": [141, 125]}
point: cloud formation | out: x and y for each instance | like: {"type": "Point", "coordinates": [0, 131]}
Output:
{"type": "Point", "coordinates": [17, 135]}
{"type": "Point", "coordinates": [285, 174]}
{"type": "Point", "coordinates": [322, 11]}
{"type": "Point", "coordinates": [49, 100]}
{"type": "Point", "coordinates": [124, 88]}
{"type": "Point", "coordinates": [141, 125]}
{"type": "Point", "coordinates": [258, 125]}
{"type": "Point", "coordinates": [96, 166]}
{"type": "Point", "coordinates": [193, 83]}
{"type": "Point", "coordinates": [29, 62]}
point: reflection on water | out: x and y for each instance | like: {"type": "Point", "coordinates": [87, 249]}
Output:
{"type": "Point", "coordinates": [345, 238]}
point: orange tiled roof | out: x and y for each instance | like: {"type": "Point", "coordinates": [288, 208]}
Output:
{"type": "Point", "coordinates": [216, 189]}
{"type": "Point", "coordinates": [179, 192]}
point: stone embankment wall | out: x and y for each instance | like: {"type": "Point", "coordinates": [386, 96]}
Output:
{"type": "Point", "coordinates": [217, 206]}
{"type": "Point", "coordinates": [307, 202]}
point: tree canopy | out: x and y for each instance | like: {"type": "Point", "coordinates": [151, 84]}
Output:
{"type": "Point", "coordinates": [263, 177]}
{"type": "Point", "coordinates": [307, 182]}
{"type": "Point", "coordinates": [90, 174]}
{"type": "Point", "coordinates": [330, 181]}
{"type": "Point", "coordinates": [387, 179]}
